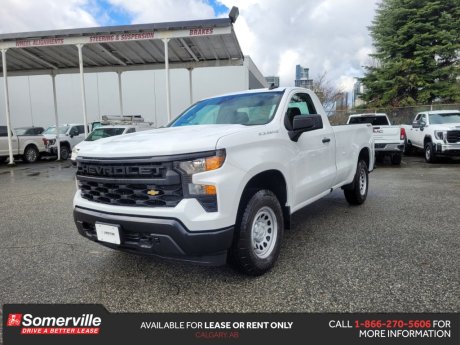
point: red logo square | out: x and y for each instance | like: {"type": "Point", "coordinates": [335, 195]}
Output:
{"type": "Point", "coordinates": [14, 320]}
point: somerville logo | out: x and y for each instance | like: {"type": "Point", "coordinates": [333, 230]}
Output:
{"type": "Point", "coordinates": [84, 324]}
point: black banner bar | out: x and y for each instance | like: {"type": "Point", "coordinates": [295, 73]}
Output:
{"type": "Point", "coordinates": [93, 324]}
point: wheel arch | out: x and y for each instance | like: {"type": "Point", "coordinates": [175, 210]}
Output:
{"type": "Point", "coordinates": [30, 145]}
{"type": "Point", "coordinates": [426, 140]}
{"type": "Point", "coordinates": [365, 155]}
{"type": "Point", "coordinates": [64, 143]}
{"type": "Point", "coordinates": [272, 180]}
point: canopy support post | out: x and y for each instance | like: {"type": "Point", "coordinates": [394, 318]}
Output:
{"type": "Point", "coordinates": [56, 118]}
{"type": "Point", "coordinates": [7, 108]}
{"type": "Point", "coordinates": [168, 95]}
{"type": "Point", "coordinates": [82, 84]}
{"type": "Point", "coordinates": [120, 92]}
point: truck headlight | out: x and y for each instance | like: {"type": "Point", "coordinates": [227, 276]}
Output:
{"type": "Point", "coordinates": [205, 194]}
{"type": "Point", "coordinates": [440, 135]}
{"type": "Point", "coordinates": [204, 164]}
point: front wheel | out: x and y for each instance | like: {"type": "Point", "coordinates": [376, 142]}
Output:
{"type": "Point", "coordinates": [356, 192]}
{"type": "Point", "coordinates": [258, 234]}
{"type": "Point", "coordinates": [430, 156]}
{"type": "Point", "coordinates": [65, 152]}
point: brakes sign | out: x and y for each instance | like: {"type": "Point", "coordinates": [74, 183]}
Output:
{"type": "Point", "coordinates": [72, 325]}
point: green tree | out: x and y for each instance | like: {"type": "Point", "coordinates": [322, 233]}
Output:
{"type": "Point", "coordinates": [417, 53]}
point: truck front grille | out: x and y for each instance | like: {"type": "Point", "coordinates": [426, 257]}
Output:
{"type": "Point", "coordinates": [123, 194]}
{"type": "Point", "coordinates": [453, 137]}
{"type": "Point", "coordinates": [130, 183]}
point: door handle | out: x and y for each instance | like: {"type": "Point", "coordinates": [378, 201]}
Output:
{"type": "Point", "coordinates": [326, 140]}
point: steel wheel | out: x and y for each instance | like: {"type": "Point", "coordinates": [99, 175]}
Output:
{"type": "Point", "coordinates": [428, 153]}
{"type": "Point", "coordinates": [264, 232]}
{"type": "Point", "coordinates": [362, 181]}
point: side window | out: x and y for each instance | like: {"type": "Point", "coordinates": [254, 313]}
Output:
{"type": "Point", "coordinates": [130, 130]}
{"type": "Point", "coordinates": [3, 131]}
{"type": "Point", "coordinates": [303, 102]}
{"type": "Point", "coordinates": [417, 118]}
{"type": "Point", "coordinates": [300, 104]}
{"type": "Point", "coordinates": [81, 129]}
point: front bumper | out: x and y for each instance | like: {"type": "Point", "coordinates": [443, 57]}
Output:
{"type": "Point", "coordinates": [448, 149]}
{"type": "Point", "coordinates": [162, 237]}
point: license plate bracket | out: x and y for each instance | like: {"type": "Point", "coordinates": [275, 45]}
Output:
{"type": "Point", "coordinates": [109, 233]}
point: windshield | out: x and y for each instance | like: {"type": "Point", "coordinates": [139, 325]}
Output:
{"type": "Point", "coordinates": [243, 109]}
{"type": "Point", "coordinates": [373, 120]}
{"type": "Point", "coordinates": [439, 119]}
{"type": "Point", "coordinates": [102, 132]}
{"type": "Point", "coordinates": [52, 130]}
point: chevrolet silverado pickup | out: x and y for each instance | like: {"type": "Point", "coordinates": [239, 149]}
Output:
{"type": "Point", "coordinates": [27, 147]}
{"type": "Point", "coordinates": [388, 139]}
{"type": "Point", "coordinates": [436, 132]}
{"type": "Point", "coordinates": [220, 183]}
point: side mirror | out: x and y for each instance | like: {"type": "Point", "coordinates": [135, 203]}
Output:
{"type": "Point", "coordinates": [305, 123]}
{"type": "Point", "coordinates": [422, 125]}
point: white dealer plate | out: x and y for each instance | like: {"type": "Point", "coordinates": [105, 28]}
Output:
{"type": "Point", "coordinates": [108, 233]}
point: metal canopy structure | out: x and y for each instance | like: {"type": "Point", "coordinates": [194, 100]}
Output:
{"type": "Point", "coordinates": [187, 44]}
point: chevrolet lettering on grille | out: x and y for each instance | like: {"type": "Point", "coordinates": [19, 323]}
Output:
{"type": "Point", "coordinates": [118, 170]}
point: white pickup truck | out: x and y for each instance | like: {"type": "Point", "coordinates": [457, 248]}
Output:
{"type": "Point", "coordinates": [436, 132]}
{"type": "Point", "coordinates": [222, 180]}
{"type": "Point", "coordinates": [388, 139]}
{"type": "Point", "coordinates": [69, 136]}
{"type": "Point", "coordinates": [28, 147]}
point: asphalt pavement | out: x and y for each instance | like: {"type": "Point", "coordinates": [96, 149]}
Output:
{"type": "Point", "coordinates": [399, 252]}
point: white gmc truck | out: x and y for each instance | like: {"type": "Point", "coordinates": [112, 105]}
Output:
{"type": "Point", "coordinates": [436, 132]}
{"type": "Point", "coordinates": [221, 181]}
{"type": "Point", "coordinates": [388, 139]}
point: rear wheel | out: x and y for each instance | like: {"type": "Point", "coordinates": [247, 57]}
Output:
{"type": "Point", "coordinates": [430, 155]}
{"type": "Point", "coordinates": [356, 192]}
{"type": "Point", "coordinates": [30, 155]}
{"type": "Point", "coordinates": [396, 159]}
{"type": "Point", "coordinates": [258, 234]}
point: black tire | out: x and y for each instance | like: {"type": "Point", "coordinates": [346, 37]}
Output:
{"type": "Point", "coordinates": [408, 148]}
{"type": "Point", "coordinates": [31, 154]}
{"type": "Point", "coordinates": [65, 152]}
{"type": "Point", "coordinates": [430, 155]}
{"type": "Point", "coordinates": [258, 234]}
{"type": "Point", "coordinates": [356, 192]}
{"type": "Point", "coordinates": [396, 159]}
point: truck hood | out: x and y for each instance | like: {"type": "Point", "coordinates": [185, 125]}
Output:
{"type": "Point", "coordinates": [160, 142]}
{"type": "Point", "coordinates": [446, 126]}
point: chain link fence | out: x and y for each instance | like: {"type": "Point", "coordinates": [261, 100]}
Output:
{"type": "Point", "coordinates": [397, 116]}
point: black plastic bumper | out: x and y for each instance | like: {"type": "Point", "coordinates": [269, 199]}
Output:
{"type": "Point", "coordinates": [451, 153]}
{"type": "Point", "coordinates": [163, 237]}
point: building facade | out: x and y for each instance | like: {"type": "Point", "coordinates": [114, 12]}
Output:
{"type": "Point", "coordinates": [273, 80]}
{"type": "Point", "coordinates": [302, 78]}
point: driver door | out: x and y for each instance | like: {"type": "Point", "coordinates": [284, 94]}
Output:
{"type": "Point", "coordinates": [313, 167]}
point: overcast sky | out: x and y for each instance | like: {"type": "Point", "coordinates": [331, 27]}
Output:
{"type": "Point", "coordinates": [324, 35]}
